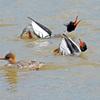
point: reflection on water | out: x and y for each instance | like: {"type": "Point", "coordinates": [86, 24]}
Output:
{"type": "Point", "coordinates": [11, 76]}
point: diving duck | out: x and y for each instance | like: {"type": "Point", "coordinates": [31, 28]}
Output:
{"type": "Point", "coordinates": [36, 30]}
{"type": "Point", "coordinates": [71, 26]}
{"type": "Point", "coordinates": [69, 47]}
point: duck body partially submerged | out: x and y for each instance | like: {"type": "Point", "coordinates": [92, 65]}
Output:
{"type": "Point", "coordinates": [33, 65]}
{"type": "Point", "coordinates": [71, 26]}
{"type": "Point", "coordinates": [69, 47]}
{"type": "Point", "coordinates": [36, 30]}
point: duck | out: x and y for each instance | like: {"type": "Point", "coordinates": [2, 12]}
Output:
{"type": "Point", "coordinates": [69, 47]}
{"type": "Point", "coordinates": [71, 26]}
{"type": "Point", "coordinates": [11, 58]}
{"type": "Point", "coordinates": [35, 30]}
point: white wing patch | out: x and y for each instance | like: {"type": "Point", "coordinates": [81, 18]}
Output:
{"type": "Point", "coordinates": [63, 48]}
{"type": "Point", "coordinates": [39, 31]}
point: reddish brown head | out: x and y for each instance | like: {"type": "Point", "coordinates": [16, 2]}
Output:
{"type": "Point", "coordinates": [10, 57]}
{"type": "Point", "coordinates": [82, 45]}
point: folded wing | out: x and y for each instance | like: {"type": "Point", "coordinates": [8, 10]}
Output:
{"type": "Point", "coordinates": [40, 30]}
{"type": "Point", "coordinates": [69, 47]}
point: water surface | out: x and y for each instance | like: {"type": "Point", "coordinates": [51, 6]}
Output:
{"type": "Point", "coordinates": [65, 78]}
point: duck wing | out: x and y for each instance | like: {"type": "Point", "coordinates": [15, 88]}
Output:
{"type": "Point", "coordinates": [68, 46]}
{"type": "Point", "coordinates": [64, 49]}
{"type": "Point", "coordinates": [40, 30]}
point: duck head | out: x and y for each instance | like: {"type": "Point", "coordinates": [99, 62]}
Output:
{"type": "Point", "coordinates": [10, 57]}
{"type": "Point", "coordinates": [82, 45]}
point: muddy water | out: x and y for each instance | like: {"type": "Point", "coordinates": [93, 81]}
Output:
{"type": "Point", "coordinates": [64, 78]}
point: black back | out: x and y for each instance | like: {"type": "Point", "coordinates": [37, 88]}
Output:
{"type": "Point", "coordinates": [70, 27]}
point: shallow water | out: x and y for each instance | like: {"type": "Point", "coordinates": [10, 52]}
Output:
{"type": "Point", "coordinates": [64, 78]}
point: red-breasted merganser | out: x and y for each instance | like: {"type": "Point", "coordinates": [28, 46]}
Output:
{"type": "Point", "coordinates": [36, 30]}
{"type": "Point", "coordinates": [71, 26]}
{"type": "Point", "coordinates": [69, 47]}
{"type": "Point", "coordinates": [11, 58]}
